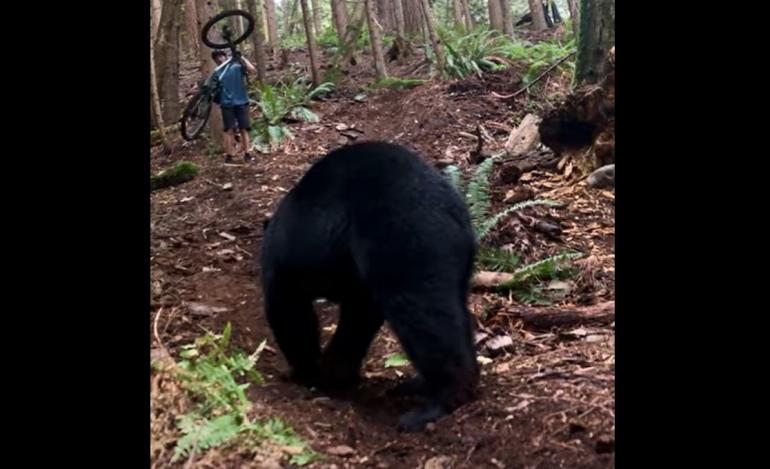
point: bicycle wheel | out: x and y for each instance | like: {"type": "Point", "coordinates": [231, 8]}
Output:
{"type": "Point", "coordinates": [235, 25]}
{"type": "Point", "coordinates": [195, 115]}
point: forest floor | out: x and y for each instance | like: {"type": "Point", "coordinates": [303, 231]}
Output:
{"type": "Point", "coordinates": [546, 401]}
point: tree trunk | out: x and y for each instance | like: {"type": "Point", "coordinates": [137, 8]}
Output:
{"type": "Point", "coordinates": [555, 13]}
{"type": "Point", "coordinates": [469, 24]}
{"type": "Point", "coordinates": [547, 15]}
{"type": "Point", "coordinates": [272, 26]}
{"type": "Point", "coordinates": [238, 5]}
{"type": "Point", "coordinates": [316, 7]}
{"type": "Point", "coordinates": [574, 14]}
{"type": "Point", "coordinates": [495, 15]}
{"type": "Point", "coordinates": [352, 32]}
{"type": "Point", "coordinates": [311, 44]}
{"type": "Point", "coordinates": [258, 38]}
{"type": "Point", "coordinates": [432, 32]}
{"type": "Point", "coordinates": [167, 59]}
{"type": "Point", "coordinates": [288, 16]}
{"type": "Point", "coordinates": [340, 18]}
{"type": "Point", "coordinates": [505, 8]}
{"type": "Point", "coordinates": [191, 25]}
{"type": "Point", "coordinates": [157, 115]}
{"type": "Point", "coordinates": [597, 36]}
{"type": "Point", "coordinates": [384, 15]}
{"type": "Point", "coordinates": [538, 15]}
{"type": "Point", "coordinates": [205, 10]}
{"type": "Point", "coordinates": [413, 20]}
{"type": "Point", "coordinates": [457, 12]}
{"type": "Point", "coordinates": [374, 38]}
{"type": "Point", "coordinates": [155, 11]}
{"type": "Point", "coordinates": [398, 9]}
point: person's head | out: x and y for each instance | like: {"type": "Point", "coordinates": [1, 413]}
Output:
{"type": "Point", "coordinates": [218, 56]}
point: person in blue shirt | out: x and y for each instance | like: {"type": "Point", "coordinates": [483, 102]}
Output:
{"type": "Point", "coordinates": [233, 100]}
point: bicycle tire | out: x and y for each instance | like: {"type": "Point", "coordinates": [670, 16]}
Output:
{"type": "Point", "coordinates": [247, 30]}
{"type": "Point", "coordinates": [193, 110]}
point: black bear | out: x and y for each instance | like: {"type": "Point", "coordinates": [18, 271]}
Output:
{"type": "Point", "coordinates": [373, 228]}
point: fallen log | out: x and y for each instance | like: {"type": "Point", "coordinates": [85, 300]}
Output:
{"type": "Point", "coordinates": [525, 137]}
{"type": "Point", "coordinates": [184, 171]}
{"type": "Point", "coordinates": [545, 319]}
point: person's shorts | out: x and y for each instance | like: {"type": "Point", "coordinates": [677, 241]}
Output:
{"type": "Point", "coordinates": [236, 117]}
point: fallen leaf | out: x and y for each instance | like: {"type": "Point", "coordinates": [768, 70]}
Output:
{"type": "Point", "coordinates": [483, 360]}
{"type": "Point", "coordinates": [438, 462]}
{"type": "Point", "coordinates": [520, 406]}
{"type": "Point", "coordinates": [340, 450]}
{"type": "Point", "coordinates": [202, 309]}
{"type": "Point", "coordinates": [293, 450]}
{"type": "Point", "coordinates": [499, 343]}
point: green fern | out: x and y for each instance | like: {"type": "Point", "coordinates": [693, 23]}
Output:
{"type": "Point", "coordinates": [455, 177]}
{"type": "Point", "coordinates": [477, 193]}
{"type": "Point", "coordinates": [488, 224]}
{"type": "Point", "coordinates": [497, 260]}
{"type": "Point", "coordinates": [548, 268]}
{"type": "Point", "coordinates": [201, 433]}
{"type": "Point", "coordinates": [477, 197]}
{"type": "Point", "coordinates": [212, 374]}
{"type": "Point", "coordinates": [278, 102]}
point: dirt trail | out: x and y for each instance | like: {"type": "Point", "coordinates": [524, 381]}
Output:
{"type": "Point", "coordinates": [547, 402]}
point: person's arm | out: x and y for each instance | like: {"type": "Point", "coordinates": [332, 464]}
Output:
{"type": "Point", "coordinates": [248, 65]}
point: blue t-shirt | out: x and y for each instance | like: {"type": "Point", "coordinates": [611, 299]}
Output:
{"type": "Point", "coordinates": [232, 79]}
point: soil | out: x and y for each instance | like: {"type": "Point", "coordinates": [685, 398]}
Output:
{"type": "Point", "coordinates": [547, 401]}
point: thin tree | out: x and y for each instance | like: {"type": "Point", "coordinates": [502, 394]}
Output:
{"type": "Point", "coordinates": [434, 40]}
{"type": "Point", "coordinates": [374, 38]}
{"type": "Point", "coordinates": [316, 8]}
{"type": "Point", "coordinates": [155, 9]}
{"type": "Point", "coordinates": [289, 12]}
{"type": "Point", "coordinates": [191, 20]}
{"type": "Point", "coordinates": [205, 10]}
{"type": "Point", "coordinates": [272, 26]}
{"type": "Point", "coordinates": [340, 18]}
{"type": "Point", "coordinates": [505, 8]}
{"type": "Point", "coordinates": [574, 13]}
{"type": "Point", "coordinates": [157, 115]}
{"type": "Point", "coordinates": [311, 44]}
{"type": "Point", "coordinates": [398, 9]}
{"type": "Point", "coordinates": [167, 59]}
{"type": "Point", "coordinates": [384, 13]}
{"type": "Point", "coordinates": [495, 15]}
{"type": "Point", "coordinates": [597, 36]}
{"type": "Point", "coordinates": [238, 5]}
{"type": "Point", "coordinates": [538, 15]}
{"type": "Point", "coordinates": [469, 24]}
{"type": "Point", "coordinates": [413, 19]}
{"type": "Point", "coordinates": [457, 12]}
{"type": "Point", "coordinates": [258, 38]}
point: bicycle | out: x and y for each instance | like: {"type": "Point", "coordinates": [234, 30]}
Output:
{"type": "Point", "coordinates": [196, 114]}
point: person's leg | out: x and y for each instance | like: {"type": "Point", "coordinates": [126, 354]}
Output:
{"type": "Point", "coordinates": [242, 113]}
{"type": "Point", "coordinates": [228, 123]}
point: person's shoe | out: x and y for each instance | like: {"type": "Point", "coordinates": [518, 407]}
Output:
{"type": "Point", "coordinates": [248, 158]}
{"type": "Point", "coordinates": [228, 159]}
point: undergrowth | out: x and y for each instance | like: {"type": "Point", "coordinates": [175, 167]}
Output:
{"type": "Point", "coordinates": [215, 379]}
{"type": "Point", "coordinates": [484, 50]}
{"type": "Point", "coordinates": [526, 283]}
{"type": "Point", "coordinates": [280, 102]}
